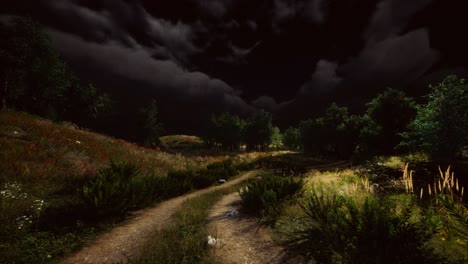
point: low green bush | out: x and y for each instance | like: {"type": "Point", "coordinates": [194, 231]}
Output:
{"type": "Point", "coordinates": [266, 196]}
{"type": "Point", "coordinates": [339, 229]}
{"type": "Point", "coordinates": [224, 169]}
{"type": "Point", "coordinates": [113, 191]}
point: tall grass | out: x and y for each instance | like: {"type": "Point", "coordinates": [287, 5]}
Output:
{"type": "Point", "coordinates": [339, 229]}
{"type": "Point", "coordinates": [445, 197]}
{"type": "Point", "coordinates": [266, 196]}
{"type": "Point", "coordinates": [363, 226]}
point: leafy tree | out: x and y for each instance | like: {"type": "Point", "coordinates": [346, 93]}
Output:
{"type": "Point", "coordinates": [276, 138]}
{"type": "Point", "coordinates": [441, 125]}
{"type": "Point", "coordinates": [84, 104]}
{"type": "Point", "coordinates": [35, 79]}
{"type": "Point", "coordinates": [333, 134]}
{"type": "Point", "coordinates": [292, 138]}
{"type": "Point", "coordinates": [33, 74]}
{"type": "Point", "coordinates": [226, 131]}
{"type": "Point", "coordinates": [152, 127]}
{"type": "Point", "coordinates": [259, 131]}
{"type": "Point", "coordinates": [387, 116]}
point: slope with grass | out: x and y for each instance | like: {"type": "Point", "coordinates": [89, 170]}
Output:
{"type": "Point", "coordinates": [49, 170]}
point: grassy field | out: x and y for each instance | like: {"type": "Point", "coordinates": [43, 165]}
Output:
{"type": "Point", "coordinates": [61, 185]}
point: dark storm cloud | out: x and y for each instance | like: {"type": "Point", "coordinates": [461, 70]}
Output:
{"type": "Point", "coordinates": [130, 24]}
{"type": "Point", "coordinates": [215, 8]}
{"type": "Point", "coordinates": [267, 103]}
{"type": "Point", "coordinates": [395, 60]}
{"type": "Point", "coordinates": [323, 80]}
{"type": "Point", "coordinates": [164, 76]}
{"type": "Point", "coordinates": [312, 10]}
{"type": "Point", "coordinates": [389, 57]}
{"type": "Point", "coordinates": [275, 55]}
{"type": "Point", "coordinates": [90, 24]}
{"type": "Point", "coordinates": [391, 17]}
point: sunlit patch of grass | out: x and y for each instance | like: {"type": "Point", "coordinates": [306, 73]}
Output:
{"type": "Point", "coordinates": [345, 182]}
{"type": "Point", "coordinates": [394, 162]}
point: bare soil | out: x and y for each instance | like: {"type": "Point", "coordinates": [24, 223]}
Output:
{"type": "Point", "coordinates": [125, 242]}
{"type": "Point", "coordinates": [241, 239]}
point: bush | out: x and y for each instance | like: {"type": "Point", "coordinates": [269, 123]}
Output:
{"type": "Point", "coordinates": [113, 191]}
{"type": "Point", "coordinates": [218, 170]}
{"type": "Point", "coordinates": [178, 182]}
{"type": "Point", "coordinates": [341, 230]}
{"type": "Point", "coordinates": [266, 195]}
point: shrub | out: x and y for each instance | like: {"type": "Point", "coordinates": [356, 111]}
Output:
{"type": "Point", "coordinates": [179, 182]}
{"type": "Point", "coordinates": [265, 196]}
{"type": "Point", "coordinates": [341, 230]}
{"type": "Point", "coordinates": [112, 192]}
{"type": "Point", "coordinates": [218, 170]}
{"type": "Point", "coordinates": [224, 169]}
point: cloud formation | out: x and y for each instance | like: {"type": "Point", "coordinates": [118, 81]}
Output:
{"type": "Point", "coordinates": [323, 80]}
{"type": "Point", "coordinates": [391, 17]}
{"type": "Point", "coordinates": [241, 55]}
{"type": "Point", "coordinates": [164, 76]}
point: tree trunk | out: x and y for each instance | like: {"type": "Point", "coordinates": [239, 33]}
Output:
{"type": "Point", "coordinates": [4, 94]}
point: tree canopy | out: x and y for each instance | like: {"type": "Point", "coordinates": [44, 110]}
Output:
{"type": "Point", "coordinates": [34, 78]}
{"type": "Point", "coordinates": [441, 125]}
{"type": "Point", "coordinates": [386, 117]}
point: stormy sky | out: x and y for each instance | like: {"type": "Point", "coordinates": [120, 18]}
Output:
{"type": "Point", "coordinates": [290, 57]}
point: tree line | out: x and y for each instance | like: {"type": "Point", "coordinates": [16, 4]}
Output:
{"type": "Point", "coordinates": [392, 124]}
{"type": "Point", "coordinates": [231, 132]}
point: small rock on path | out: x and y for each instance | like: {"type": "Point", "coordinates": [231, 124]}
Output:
{"type": "Point", "coordinates": [241, 240]}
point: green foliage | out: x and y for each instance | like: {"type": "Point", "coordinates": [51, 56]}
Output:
{"type": "Point", "coordinates": [35, 79]}
{"type": "Point", "coordinates": [259, 131]}
{"type": "Point", "coordinates": [120, 188]}
{"type": "Point", "coordinates": [339, 229]}
{"type": "Point", "coordinates": [292, 138]}
{"type": "Point", "coordinates": [267, 195]}
{"type": "Point", "coordinates": [441, 126]}
{"type": "Point", "coordinates": [84, 104]}
{"type": "Point", "coordinates": [276, 138]}
{"type": "Point", "coordinates": [225, 130]}
{"type": "Point", "coordinates": [47, 247]}
{"type": "Point", "coordinates": [386, 117]}
{"type": "Point", "coordinates": [113, 191]}
{"type": "Point", "coordinates": [33, 75]}
{"type": "Point", "coordinates": [203, 178]}
{"type": "Point", "coordinates": [152, 127]}
{"type": "Point", "coordinates": [334, 134]}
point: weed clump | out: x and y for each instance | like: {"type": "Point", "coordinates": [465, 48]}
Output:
{"type": "Point", "coordinates": [266, 196]}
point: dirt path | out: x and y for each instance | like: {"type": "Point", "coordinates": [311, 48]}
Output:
{"type": "Point", "coordinates": [240, 238]}
{"type": "Point", "coordinates": [124, 242]}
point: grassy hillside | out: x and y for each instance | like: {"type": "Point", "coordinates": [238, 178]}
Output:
{"type": "Point", "coordinates": [53, 176]}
